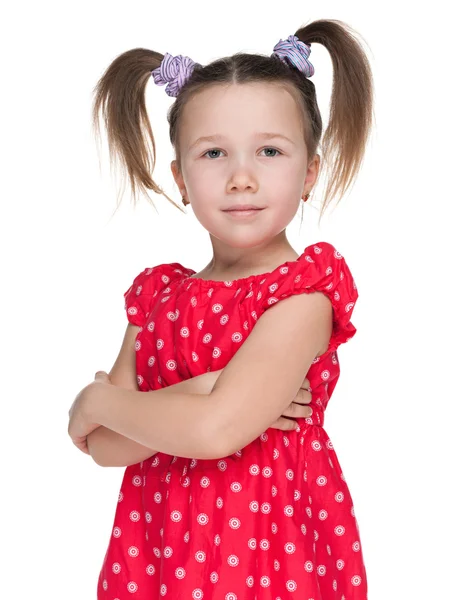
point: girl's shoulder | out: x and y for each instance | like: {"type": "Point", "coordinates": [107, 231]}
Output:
{"type": "Point", "coordinates": [320, 268]}
{"type": "Point", "coordinates": [146, 286]}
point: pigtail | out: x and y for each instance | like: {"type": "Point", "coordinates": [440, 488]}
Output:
{"type": "Point", "coordinates": [120, 96]}
{"type": "Point", "coordinates": [351, 105]}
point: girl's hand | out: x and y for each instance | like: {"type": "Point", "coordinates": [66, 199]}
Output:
{"type": "Point", "coordinates": [297, 409]}
{"type": "Point", "coordinates": [103, 377]}
{"type": "Point", "coordinates": [80, 424]}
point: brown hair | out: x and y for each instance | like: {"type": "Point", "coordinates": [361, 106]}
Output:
{"type": "Point", "coordinates": [120, 94]}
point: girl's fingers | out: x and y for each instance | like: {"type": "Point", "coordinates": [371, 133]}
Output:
{"type": "Point", "coordinates": [284, 424]}
{"type": "Point", "coordinates": [297, 411]}
{"type": "Point", "coordinates": [82, 446]}
{"type": "Point", "coordinates": [294, 411]}
{"type": "Point", "coordinates": [103, 377]}
{"type": "Point", "coordinates": [303, 396]}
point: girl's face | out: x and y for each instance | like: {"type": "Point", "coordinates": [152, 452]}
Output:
{"type": "Point", "coordinates": [242, 164]}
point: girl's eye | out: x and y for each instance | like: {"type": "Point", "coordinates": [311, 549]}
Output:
{"type": "Point", "coordinates": [217, 150]}
{"type": "Point", "coordinates": [272, 149]}
{"type": "Point", "coordinates": [214, 150]}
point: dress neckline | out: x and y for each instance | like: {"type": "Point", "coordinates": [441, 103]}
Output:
{"type": "Point", "coordinates": [232, 283]}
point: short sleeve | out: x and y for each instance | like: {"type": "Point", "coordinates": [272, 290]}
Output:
{"type": "Point", "coordinates": [141, 295]}
{"type": "Point", "coordinates": [321, 268]}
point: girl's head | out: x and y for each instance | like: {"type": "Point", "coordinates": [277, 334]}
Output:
{"type": "Point", "coordinates": [238, 99]}
{"type": "Point", "coordinates": [243, 166]}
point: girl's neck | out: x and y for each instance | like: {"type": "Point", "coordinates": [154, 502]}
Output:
{"type": "Point", "coordinates": [229, 270]}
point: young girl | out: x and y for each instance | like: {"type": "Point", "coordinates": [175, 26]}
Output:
{"type": "Point", "coordinates": [228, 506]}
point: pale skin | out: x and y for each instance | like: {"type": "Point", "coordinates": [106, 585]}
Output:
{"type": "Point", "coordinates": [242, 115]}
{"type": "Point", "coordinates": [244, 174]}
{"type": "Point", "coordinates": [257, 385]}
{"type": "Point", "coordinates": [127, 452]}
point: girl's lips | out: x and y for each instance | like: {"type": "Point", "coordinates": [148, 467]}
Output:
{"type": "Point", "coordinates": [243, 213]}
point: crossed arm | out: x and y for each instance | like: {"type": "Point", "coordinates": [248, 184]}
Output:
{"type": "Point", "coordinates": [111, 449]}
{"type": "Point", "coordinates": [259, 382]}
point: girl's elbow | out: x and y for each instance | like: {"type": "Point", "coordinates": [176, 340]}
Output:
{"type": "Point", "coordinates": [231, 439]}
{"type": "Point", "coordinates": [221, 434]}
{"type": "Point", "coordinates": [213, 447]}
{"type": "Point", "coordinates": [224, 442]}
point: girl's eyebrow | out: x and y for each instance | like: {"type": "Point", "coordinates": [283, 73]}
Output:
{"type": "Point", "coordinates": [218, 137]}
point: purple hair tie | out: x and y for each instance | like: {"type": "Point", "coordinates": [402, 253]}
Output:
{"type": "Point", "coordinates": [296, 52]}
{"type": "Point", "coordinates": [175, 71]}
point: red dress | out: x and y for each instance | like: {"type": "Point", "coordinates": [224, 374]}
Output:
{"type": "Point", "coordinates": [275, 520]}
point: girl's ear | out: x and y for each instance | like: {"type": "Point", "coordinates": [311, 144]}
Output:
{"type": "Point", "coordinates": [179, 180]}
{"type": "Point", "coordinates": [177, 176]}
{"type": "Point", "coordinates": [312, 172]}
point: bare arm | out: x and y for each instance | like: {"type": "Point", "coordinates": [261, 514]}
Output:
{"type": "Point", "coordinates": [111, 449]}
{"type": "Point", "coordinates": [246, 398]}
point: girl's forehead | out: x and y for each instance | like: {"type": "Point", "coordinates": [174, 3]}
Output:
{"type": "Point", "coordinates": [240, 108]}
{"type": "Point", "coordinates": [255, 92]}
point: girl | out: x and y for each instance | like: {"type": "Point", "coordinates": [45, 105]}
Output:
{"type": "Point", "coordinates": [226, 507]}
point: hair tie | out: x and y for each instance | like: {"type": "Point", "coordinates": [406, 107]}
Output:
{"type": "Point", "coordinates": [175, 71]}
{"type": "Point", "coordinates": [295, 52]}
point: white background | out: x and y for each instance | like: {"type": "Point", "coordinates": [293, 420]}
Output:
{"type": "Point", "coordinates": [66, 265]}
